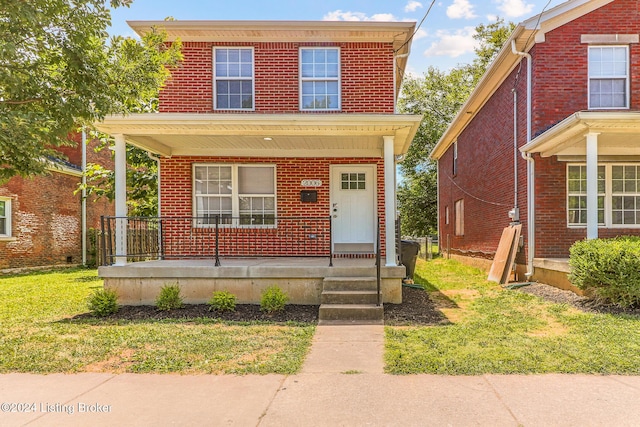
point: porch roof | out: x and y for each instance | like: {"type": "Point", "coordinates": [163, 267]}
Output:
{"type": "Point", "coordinates": [264, 135]}
{"type": "Point", "coordinates": [618, 135]}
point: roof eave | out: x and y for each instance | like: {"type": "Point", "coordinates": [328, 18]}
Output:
{"type": "Point", "coordinates": [526, 35]}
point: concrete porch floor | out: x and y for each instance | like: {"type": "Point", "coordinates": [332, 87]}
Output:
{"type": "Point", "coordinates": [302, 278]}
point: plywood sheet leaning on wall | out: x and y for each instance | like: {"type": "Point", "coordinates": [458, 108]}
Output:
{"type": "Point", "coordinates": [505, 254]}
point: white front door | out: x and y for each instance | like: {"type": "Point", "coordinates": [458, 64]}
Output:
{"type": "Point", "coordinates": [353, 207]}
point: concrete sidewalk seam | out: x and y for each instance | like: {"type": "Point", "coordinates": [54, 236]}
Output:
{"type": "Point", "coordinates": [622, 382]}
{"type": "Point", "coordinates": [76, 397]}
{"type": "Point", "coordinates": [502, 402]}
{"type": "Point", "coordinates": [266, 410]}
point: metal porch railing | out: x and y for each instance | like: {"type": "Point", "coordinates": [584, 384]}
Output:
{"type": "Point", "coordinates": [215, 237]}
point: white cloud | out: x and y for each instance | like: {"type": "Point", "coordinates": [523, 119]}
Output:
{"type": "Point", "coordinates": [461, 9]}
{"type": "Point", "coordinates": [492, 18]}
{"type": "Point", "coordinates": [412, 6]}
{"type": "Point", "coordinates": [339, 15]}
{"type": "Point", "coordinates": [514, 8]}
{"type": "Point", "coordinates": [453, 44]}
{"type": "Point", "coordinates": [382, 17]}
{"type": "Point", "coordinates": [420, 34]}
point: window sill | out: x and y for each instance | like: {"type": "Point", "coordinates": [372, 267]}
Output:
{"type": "Point", "coordinates": [8, 239]}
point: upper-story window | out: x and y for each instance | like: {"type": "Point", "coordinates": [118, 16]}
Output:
{"type": "Point", "coordinates": [5, 217]}
{"type": "Point", "coordinates": [608, 77]}
{"type": "Point", "coordinates": [233, 78]}
{"type": "Point", "coordinates": [319, 79]}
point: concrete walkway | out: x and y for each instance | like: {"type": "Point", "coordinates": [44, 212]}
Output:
{"type": "Point", "coordinates": [341, 384]}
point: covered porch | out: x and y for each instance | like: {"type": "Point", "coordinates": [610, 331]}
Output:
{"type": "Point", "coordinates": [602, 153]}
{"type": "Point", "coordinates": [292, 245]}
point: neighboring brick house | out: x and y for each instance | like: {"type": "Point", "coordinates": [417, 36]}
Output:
{"type": "Point", "coordinates": [576, 142]}
{"type": "Point", "coordinates": [265, 121]}
{"type": "Point", "coordinates": [41, 217]}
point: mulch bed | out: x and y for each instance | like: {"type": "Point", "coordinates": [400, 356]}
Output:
{"type": "Point", "coordinates": [553, 294]}
{"type": "Point", "coordinates": [416, 309]}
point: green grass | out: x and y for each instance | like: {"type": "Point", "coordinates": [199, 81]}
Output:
{"type": "Point", "coordinates": [41, 333]}
{"type": "Point", "coordinates": [498, 331]}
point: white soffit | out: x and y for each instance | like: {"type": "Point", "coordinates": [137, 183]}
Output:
{"type": "Point", "coordinates": [202, 134]}
{"type": "Point", "coordinates": [618, 134]}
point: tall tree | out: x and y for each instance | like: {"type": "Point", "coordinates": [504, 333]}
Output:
{"type": "Point", "coordinates": [438, 96]}
{"type": "Point", "coordinates": [59, 70]}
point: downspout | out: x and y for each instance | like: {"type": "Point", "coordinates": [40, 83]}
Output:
{"type": "Point", "coordinates": [157, 160]}
{"type": "Point", "coordinates": [84, 197]}
{"type": "Point", "coordinates": [531, 228]}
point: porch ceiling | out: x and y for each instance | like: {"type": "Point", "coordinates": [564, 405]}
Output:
{"type": "Point", "coordinates": [618, 135]}
{"type": "Point", "coordinates": [291, 135]}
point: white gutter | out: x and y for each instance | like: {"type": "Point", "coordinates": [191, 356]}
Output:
{"type": "Point", "coordinates": [84, 197]}
{"type": "Point", "coordinates": [531, 228]}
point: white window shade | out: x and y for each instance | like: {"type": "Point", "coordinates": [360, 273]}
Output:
{"type": "Point", "coordinates": [255, 180]}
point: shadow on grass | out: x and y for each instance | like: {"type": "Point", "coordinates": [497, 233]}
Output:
{"type": "Point", "coordinates": [443, 300]}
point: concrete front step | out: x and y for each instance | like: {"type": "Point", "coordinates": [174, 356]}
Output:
{"type": "Point", "coordinates": [350, 284]}
{"type": "Point", "coordinates": [351, 312]}
{"type": "Point", "coordinates": [349, 297]}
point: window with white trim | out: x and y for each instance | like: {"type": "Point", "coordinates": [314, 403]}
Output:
{"type": "Point", "coordinates": [5, 217]}
{"type": "Point", "coordinates": [319, 79]}
{"type": "Point", "coordinates": [577, 194]}
{"type": "Point", "coordinates": [618, 195]}
{"type": "Point", "coordinates": [625, 195]}
{"type": "Point", "coordinates": [237, 194]}
{"type": "Point", "coordinates": [233, 78]}
{"type": "Point", "coordinates": [608, 77]}
{"type": "Point", "coordinates": [455, 158]}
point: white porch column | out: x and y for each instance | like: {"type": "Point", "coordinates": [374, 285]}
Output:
{"type": "Point", "coordinates": [390, 200]}
{"type": "Point", "coordinates": [592, 185]}
{"type": "Point", "coordinates": [120, 169]}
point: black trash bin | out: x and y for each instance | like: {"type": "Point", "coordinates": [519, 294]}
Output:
{"type": "Point", "coordinates": [408, 255]}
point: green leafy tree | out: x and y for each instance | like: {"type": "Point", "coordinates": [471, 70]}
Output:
{"type": "Point", "coordinates": [142, 180]}
{"type": "Point", "coordinates": [438, 96]}
{"type": "Point", "coordinates": [59, 70]}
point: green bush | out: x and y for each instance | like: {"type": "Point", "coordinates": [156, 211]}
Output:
{"type": "Point", "coordinates": [222, 301]}
{"type": "Point", "coordinates": [103, 302]}
{"type": "Point", "coordinates": [169, 298]}
{"type": "Point", "coordinates": [607, 269]}
{"type": "Point", "coordinates": [273, 299]}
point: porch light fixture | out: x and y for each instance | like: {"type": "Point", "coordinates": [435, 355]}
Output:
{"type": "Point", "coordinates": [268, 138]}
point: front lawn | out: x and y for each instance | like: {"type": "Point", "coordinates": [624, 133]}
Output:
{"type": "Point", "coordinates": [491, 330]}
{"type": "Point", "coordinates": [41, 333]}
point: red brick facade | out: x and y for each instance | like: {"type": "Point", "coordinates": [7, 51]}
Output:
{"type": "Point", "coordinates": [366, 86]}
{"type": "Point", "coordinates": [366, 78]}
{"type": "Point", "coordinates": [177, 186]}
{"type": "Point", "coordinates": [46, 216]}
{"type": "Point", "coordinates": [485, 178]}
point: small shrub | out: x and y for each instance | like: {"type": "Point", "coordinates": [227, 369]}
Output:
{"type": "Point", "coordinates": [222, 301]}
{"type": "Point", "coordinates": [169, 298]}
{"type": "Point", "coordinates": [273, 299]}
{"type": "Point", "coordinates": [103, 302]}
{"type": "Point", "coordinates": [607, 269]}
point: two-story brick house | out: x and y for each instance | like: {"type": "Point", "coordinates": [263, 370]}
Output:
{"type": "Point", "coordinates": [552, 134]}
{"type": "Point", "coordinates": [275, 138]}
{"type": "Point", "coordinates": [42, 218]}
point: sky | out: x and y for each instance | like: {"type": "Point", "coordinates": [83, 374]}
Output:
{"type": "Point", "coordinates": [444, 40]}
